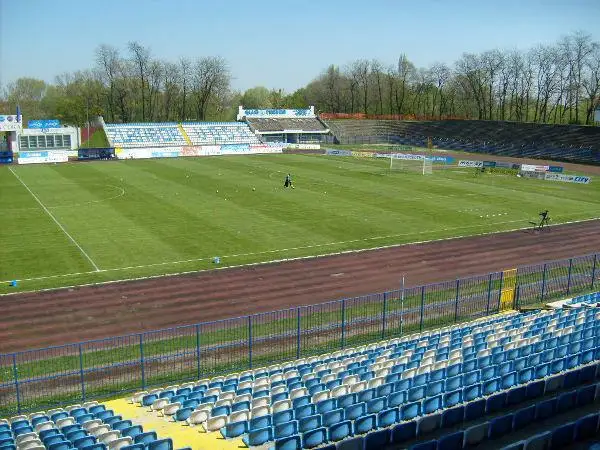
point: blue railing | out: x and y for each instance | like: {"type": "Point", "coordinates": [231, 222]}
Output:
{"type": "Point", "coordinates": [39, 379]}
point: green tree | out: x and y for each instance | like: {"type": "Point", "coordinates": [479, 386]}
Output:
{"type": "Point", "coordinates": [257, 97]}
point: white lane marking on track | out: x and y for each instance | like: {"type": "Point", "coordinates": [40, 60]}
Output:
{"type": "Point", "coordinates": [47, 211]}
{"type": "Point", "coordinates": [274, 261]}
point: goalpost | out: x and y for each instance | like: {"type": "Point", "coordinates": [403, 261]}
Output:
{"type": "Point", "coordinates": [422, 165]}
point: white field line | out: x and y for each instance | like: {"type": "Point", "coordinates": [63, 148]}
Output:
{"type": "Point", "coordinates": [47, 211]}
{"type": "Point", "coordinates": [274, 261]}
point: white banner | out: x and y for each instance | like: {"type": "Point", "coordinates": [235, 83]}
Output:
{"type": "Point", "coordinates": [303, 146]}
{"type": "Point", "coordinates": [275, 113]}
{"type": "Point", "coordinates": [580, 179]}
{"type": "Point", "coordinates": [469, 163]}
{"type": "Point", "coordinates": [43, 157]}
{"type": "Point", "coordinates": [10, 123]}
{"type": "Point", "coordinates": [534, 168]}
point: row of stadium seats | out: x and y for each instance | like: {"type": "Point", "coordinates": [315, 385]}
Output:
{"type": "Point", "coordinates": [220, 133]}
{"type": "Point", "coordinates": [331, 398]}
{"type": "Point", "coordinates": [166, 134]}
{"type": "Point", "coordinates": [522, 418]}
{"type": "Point", "coordinates": [82, 427]}
{"type": "Point", "coordinates": [559, 142]}
{"type": "Point", "coordinates": [274, 124]}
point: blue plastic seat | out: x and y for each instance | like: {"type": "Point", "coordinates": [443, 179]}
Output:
{"type": "Point", "coordinates": [309, 423]}
{"type": "Point", "coordinates": [376, 404]}
{"type": "Point", "coordinates": [161, 444]}
{"type": "Point", "coordinates": [471, 392]}
{"type": "Point", "coordinates": [332, 417]}
{"type": "Point", "coordinates": [63, 445]}
{"type": "Point", "coordinates": [452, 398]}
{"type": "Point", "coordinates": [452, 416]}
{"type": "Point", "coordinates": [340, 431]}
{"type": "Point", "coordinates": [54, 439]}
{"type": "Point", "coordinates": [258, 423]}
{"type": "Point", "coordinates": [451, 441]}
{"type": "Point", "coordinates": [347, 400]}
{"type": "Point", "coordinates": [453, 383]}
{"type": "Point", "coordinates": [495, 403]}
{"type": "Point", "coordinates": [410, 411]}
{"type": "Point", "coordinates": [365, 424]}
{"type": "Point", "coordinates": [516, 395]}
{"type": "Point", "coordinates": [475, 435]}
{"type": "Point", "coordinates": [283, 416]}
{"type": "Point", "coordinates": [500, 426]}
{"type": "Point", "coordinates": [84, 442]}
{"type": "Point", "coordinates": [404, 432]}
{"type": "Point", "coordinates": [377, 440]}
{"type": "Point", "coordinates": [566, 401]}
{"type": "Point", "coordinates": [121, 425]}
{"type": "Point", "coordinates": [289, 443]}
{"type": "Point", "coordinates": [258, 436]}
{"type": "Point", "coordinates": [112, 419]}
{"type": "Point", "coordinates": [585, 395]}
{"type": "Point", "coordinates": [535, 389]}
{"type": "Point", "coordinates": [235, 429]}
{"type": "Point", "coordinates": [100, 446]}
{"type": "Point", "coordinates": [132, 432]}
{"type": "Point", "coordinates": [429, 445]}
{"type": "Point", "coordinates": [314, 438]}
{"type": "Point", "coordinates": [397, 398]}
{"type": "Point", "coordinates": [429, 423]}
{"type": "Point", "coordinates": [44, 434]}
{"type": "Point", "coordinates": [586, 427]}
{"type": "Point", "coordinates": [74, 435]}
{"type": "Point", "coordinates": [562, 436]}
{"type": "Point", "coordinates": [145, 438]}
{"type": "Point", "coordinates": [304, 411]}
{"type": "Point", "coordinates": [388, 417]}
{"type": "Point", "coordinates": [524, 417]}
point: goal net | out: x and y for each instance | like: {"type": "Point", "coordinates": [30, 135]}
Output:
{"type": "Point", "coordinates": [422, 165]}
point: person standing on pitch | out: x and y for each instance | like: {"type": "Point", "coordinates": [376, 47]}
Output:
{"type": "Point", "coordinates": [288, 181]}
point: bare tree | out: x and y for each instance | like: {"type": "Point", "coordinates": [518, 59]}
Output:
{"type": "Point", "coordinates": [108, 60]}
{"type": "Point", "coordinates": [140, 58]}
{"type": "Point", "coordinates": [211, 79]}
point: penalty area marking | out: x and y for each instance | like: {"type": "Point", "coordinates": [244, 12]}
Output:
{"type": "Point", "coordinates": [47, 211]}
{"type": "Point", "coordinates": [274, 261]}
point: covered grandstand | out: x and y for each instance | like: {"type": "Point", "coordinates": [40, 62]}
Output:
{"type": "Point", "coordinates": [573, 143]}
{"type": "Point", "coordinates": [299, 128]}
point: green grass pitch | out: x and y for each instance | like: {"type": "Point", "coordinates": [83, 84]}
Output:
{"type": "Point", "coordinates": [70, 224]}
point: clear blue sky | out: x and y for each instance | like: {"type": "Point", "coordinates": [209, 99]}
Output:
{"type": "Point", "coordinates": [277, 43]}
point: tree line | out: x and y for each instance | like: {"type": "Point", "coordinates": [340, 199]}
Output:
{"type": "Point", "coordinates": [557, 83]}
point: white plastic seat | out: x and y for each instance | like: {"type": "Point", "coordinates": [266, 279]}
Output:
{"type": "Point", "coordinates": [227, 395]}
{"type": "Point", "coordinates": [278, 390]}
{"type": "Point", "coordinates": [108, 437]}
{"type": "Point", "coordinates": [136, 399]}
{"type": "Point", "coordinates": [91, 424]}
{"type": "Point", "coordinates": [320, 396]}
{"type": "Point", "coordinates": [13, 419]}
{"type": "Point", "coordinates": [118, 444]}
{"type": "Point", "coordinates": [159, 404]}
{"type": "Point", "coordinates": [64, 422]}
{"type": "Point", "coordinates": [224, 402]}
{"type": "Point", "coordinates": [239, 416]}
{"type": "Point", "coordinates": [242, 398]}
{"type": "Point", "coordinates": [281, 405]}
{"type": "Point", "coordinates": [339, 390]}
{"type": "Point", "coordinates": [90, 404]}
{"type": "Point", "coordinates": [352, 379]}
{"type": "Point", "coordinates": [99, 430]}
{"type": "Point", "coordinates": [36, 414]}
{"type": "Point", "coordinates": [260, 411]}
{"type": "Point", "coordinates": [198, 416]}
{"type": "Point", "coordinates": [53, 411]}
{"type": "Point", "coordinates": [212, 391]}
{"type": "Point", "coordinates": [261, 401]}
{"type": "Point", "coordinates": [171, 409]}
{"type": "Point", "coordinates": [215, 423]}
{"type": "Point", "coordinates": [298, 392]}
{"type": "Point", "coordinates": [357, 387]}
{"type": "Point", "coordinates": [375, 382]}
{"type": "Point", "coordinates": [44, 426]}
{"type": "Point", "coordinates": [25, 437]}
{"type": "Point", "coordinates": [72, 407]}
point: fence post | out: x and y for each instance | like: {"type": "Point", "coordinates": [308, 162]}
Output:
{"type": "Point", "coordinates": [81, 374]}
{"type": "Point", "coordinates": [593, 272]}
{"type": "Point", "coordinates": [142, 361]}
{"type": "Point", "coordinates": [383, 317]}
{"type": "Point", "coordinates": [517, 295]}
{"type": "Point", "coordinates": [16, 376]}
{"type": "Point", "coordinates": [543, 282]}
{"type": "Point", "coordinates": [422, 307]}
{"type": "Point", "coordinates": [456, 302]}
{"type": "Point", "coordinates": [198, 350]}
{"type": "Point", "coordinates": [569, 278]}
{"type": "Point", "coordinates": [298, 351]}
{"type": "Point", "coordinates": [487, 313]}
{"type": "Point", "coordinates": [343, 323]}
{"type": "Point", "coordinates": [250, 342]}
{"type": "Point", "coordinates": [500, 289]}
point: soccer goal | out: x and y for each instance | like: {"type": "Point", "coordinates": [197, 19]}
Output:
{"type": "Point", "coordinates": [421, 165]}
